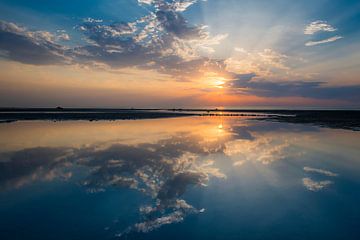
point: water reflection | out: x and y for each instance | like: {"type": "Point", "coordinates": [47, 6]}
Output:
{"type": "Point", "coordinates": [22, 167]}
{"type": "Point", "coordinates": [164, 159]}
{"type": "Point", "coordinates": [162, 170]}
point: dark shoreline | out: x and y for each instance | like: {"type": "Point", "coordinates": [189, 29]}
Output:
{"type": "Point", "coordinates": [10, 116]}
{"type": "Point", "coordinates": [340, 119]}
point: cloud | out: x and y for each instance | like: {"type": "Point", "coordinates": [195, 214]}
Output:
{"type": "Point", "coordinates": [315, 186]}
{"type": "Point", "coordinates": [245, 84]}
{"type": "Point", "coordinates": [64, 37]}
{"type": "Point", "coordinates": [31, 47]}
{"type": "Point", "coordinates": [174, 5]}
{"type": "Point", "coordinates": [328, 40]}
{"type": "Point", "coordinates": [162, 40]}
{"type": "Point", "coordinates": [145, 1]}
{"type": "Point", "coordinates": [174, 23]}
{"type": "Point", "coordinates": [266, 63]}
{"type": "Point", "coordinates": [320, 171]}
{"type": "Point", "coordinates": [318, 26]}
{"type": "Point", "coordinates": [92, 20]}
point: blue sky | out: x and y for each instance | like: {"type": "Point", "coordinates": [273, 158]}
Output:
{"type": "Point", "coordinates": [200, 49]}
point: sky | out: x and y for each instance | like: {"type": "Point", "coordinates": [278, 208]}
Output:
{"type": "Point", "coordinates": [180, 53]}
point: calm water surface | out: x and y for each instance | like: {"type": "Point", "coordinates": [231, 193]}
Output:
{"type": "Point", "coordinates": [181, 178]}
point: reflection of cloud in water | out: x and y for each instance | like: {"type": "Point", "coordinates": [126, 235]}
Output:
{"type": "Point", "coordinates": [257, 142]}
{"type": "Point", "coordinates": [263, 149]}
{"type": "Point", "coordinates": [163, 170]}
{"type": "Point", "coordinates": [153, 218]}
{"type": "Point", "coordinates": [315, 186]}
{"type": "Point", "coordinates": [28, 165]}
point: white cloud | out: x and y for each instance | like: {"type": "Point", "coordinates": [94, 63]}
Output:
{"type": "Point", "coordinates": [145, 1]}
{"type": "Point", "coordinates": [63, 37]}
{"type": "Point", "coordinates": [315, 186]}
{"type": "Point", "coordinates": [175, 5]}
{"type": "Point", "coordinates": [183, 5]}
{"type": "Point", "coordinates": [328, 40]}
{"type": "Point", "coordinates": [321, 171]}
{"type": "Point", "coordinates": [318, 26]}
{"type": "Point", "coordinates": [266, 63]}
{"type": "Point", "coordinates": [92, 20]}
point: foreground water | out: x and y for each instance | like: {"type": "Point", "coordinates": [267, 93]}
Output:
{"type": "Point", "coordinates": [179, 178]}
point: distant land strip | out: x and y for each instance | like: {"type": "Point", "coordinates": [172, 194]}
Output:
{"type": "Point", "coordinates": [341, 119]}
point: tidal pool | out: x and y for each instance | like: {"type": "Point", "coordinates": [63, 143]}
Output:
{"type": "Point", "coordinates": [178, 178]}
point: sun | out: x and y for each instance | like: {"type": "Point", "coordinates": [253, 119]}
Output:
{"type": "Point", "coordinates": [215, 80]}
{"type": "Point", "coordinates": [219, 83]}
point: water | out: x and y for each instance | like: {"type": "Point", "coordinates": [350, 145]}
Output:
{"type": "Point", "coordinates": [178, 178]}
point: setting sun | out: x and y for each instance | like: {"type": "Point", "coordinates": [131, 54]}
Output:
{"type": "Point", "coordinates": [219, 84]}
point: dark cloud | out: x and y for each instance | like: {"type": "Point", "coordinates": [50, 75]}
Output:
{"type": "Point", "coordinates": [174, 23]}
{"type": "Point", "coordinates": [316, 90]}
{"type": "Point", "coordinates": [151, 42]}
{"type": "Point", "coordinates": [29, 47]}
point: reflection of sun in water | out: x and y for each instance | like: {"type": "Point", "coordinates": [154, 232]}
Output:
{"type": "Point", "coordinates": [220, 129]}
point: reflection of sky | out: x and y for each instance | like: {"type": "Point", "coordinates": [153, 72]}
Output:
{"type": "Point", "coordinates": [213, 176]}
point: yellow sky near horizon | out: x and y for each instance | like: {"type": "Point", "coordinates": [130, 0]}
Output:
{"type": "Point", "coordinates": [75, 86]}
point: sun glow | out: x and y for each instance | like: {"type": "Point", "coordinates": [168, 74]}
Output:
{"type": "Point", "coordinates": [219, 83]}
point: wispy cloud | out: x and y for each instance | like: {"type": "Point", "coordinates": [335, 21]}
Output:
{"type": "Point", "coordinates": [266, 63]}
{"type": "Point", "coordinates": [318, 26]}
{"type": "Point", "coordinates": [320, 171]}
{"type": "Point", "coordinates": [328, 40]}
{"type": "Point", "coordinates": [315, 186]}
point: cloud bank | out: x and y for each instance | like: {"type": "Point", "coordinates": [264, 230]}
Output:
{"type": "Point", "coordinates": [245, 84]}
